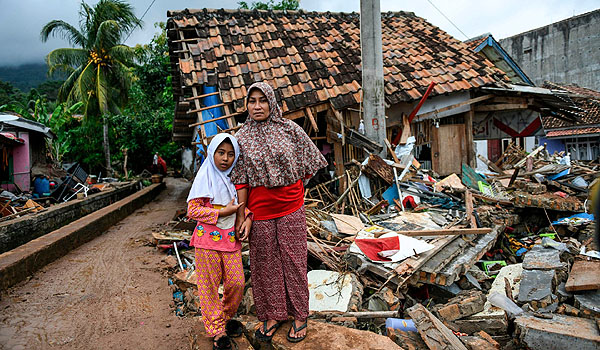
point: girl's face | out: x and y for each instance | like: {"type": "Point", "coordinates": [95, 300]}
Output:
{"type": "Point", "coordinates": [258, 106]}
{"type": "Point", "coordinates": [224, 156]}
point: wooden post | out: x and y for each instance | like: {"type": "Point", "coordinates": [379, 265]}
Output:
{"type": "Point", "coordinates": [469, 137]}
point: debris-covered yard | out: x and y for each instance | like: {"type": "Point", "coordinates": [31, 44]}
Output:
{"type": "Point", "coordinates": [504, 259]}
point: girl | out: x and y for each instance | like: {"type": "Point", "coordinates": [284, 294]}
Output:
{"type": "Point", "coordinates": [213, 203]}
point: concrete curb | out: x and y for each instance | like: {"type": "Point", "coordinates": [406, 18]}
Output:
{"type": "Point", "coordinates": [16, 265]}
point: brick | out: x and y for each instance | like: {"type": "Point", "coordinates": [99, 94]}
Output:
{"type": "Point", "coordinates": [463, 305]}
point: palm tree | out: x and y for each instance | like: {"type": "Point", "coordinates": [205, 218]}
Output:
{"type": "Point", "coordinates": [98, 65]}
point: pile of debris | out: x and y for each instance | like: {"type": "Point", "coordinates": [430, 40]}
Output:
{"type": "Point", "coordinates": [53, 187]}
{"type": "Point", "coordinates": [503, 258]}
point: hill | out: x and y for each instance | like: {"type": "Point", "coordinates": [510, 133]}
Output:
{"type": "Point", "coordinates": [26, 76]}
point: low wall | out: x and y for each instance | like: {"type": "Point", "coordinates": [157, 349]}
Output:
{"type": "Point", "coordinates": [16, 265]}
{"type": "Point", "coordinates": [16, 232]}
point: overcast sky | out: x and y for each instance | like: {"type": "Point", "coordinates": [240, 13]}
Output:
{"type": "Point", "coordinates": [22, 20]}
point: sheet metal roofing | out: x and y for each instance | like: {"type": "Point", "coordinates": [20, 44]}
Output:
{"type": "Point", "coordinates": [311, 57]}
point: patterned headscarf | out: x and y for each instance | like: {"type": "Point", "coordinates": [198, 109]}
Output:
{"type": "Point", "coordinates": [274, 152]}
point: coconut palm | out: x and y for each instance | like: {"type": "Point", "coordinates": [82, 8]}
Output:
{"type": "Point", "coordinates": [98, 65]}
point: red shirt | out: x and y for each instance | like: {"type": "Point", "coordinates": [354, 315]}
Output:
{"type": "Point", "coordinates": [271, 203]}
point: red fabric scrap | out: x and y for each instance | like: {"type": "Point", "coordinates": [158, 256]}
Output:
{"type": "Point", "coordinates": [373, 246]}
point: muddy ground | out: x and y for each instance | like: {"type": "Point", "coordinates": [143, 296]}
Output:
{"type": "Point", "coordinates": [108, 294]}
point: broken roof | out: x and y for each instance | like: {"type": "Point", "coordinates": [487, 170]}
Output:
{"type": "Point", "coordinates": [588, 103]}
{"type": "Point", "coordinates": [312, 57]}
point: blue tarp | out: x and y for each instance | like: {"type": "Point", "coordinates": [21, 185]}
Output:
{"type": "Point", "coordinates": [575, 219]}
{"type": "Point", "coordinates": [210, 129]}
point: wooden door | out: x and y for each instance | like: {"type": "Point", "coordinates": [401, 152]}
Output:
{"type": "Point", "coordinates": [448, 149]}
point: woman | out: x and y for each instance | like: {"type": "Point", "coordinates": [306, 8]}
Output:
{"type": "Point", "coordinates": [276, 159]}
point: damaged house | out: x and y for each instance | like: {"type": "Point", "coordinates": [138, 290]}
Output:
{"type": "Point", "coordinates": [313, 61]}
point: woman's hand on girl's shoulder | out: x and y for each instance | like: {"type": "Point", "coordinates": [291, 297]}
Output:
{"type": "Point", "coordinates": [230, 208]}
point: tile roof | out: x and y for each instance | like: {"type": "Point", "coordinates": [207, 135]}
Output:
{"type": "Point", "coordinates": [587, 101]}
{"type": "Point", "coordinates": [315, 57]}
{"type": "Point", "coordinates": [574, 131]}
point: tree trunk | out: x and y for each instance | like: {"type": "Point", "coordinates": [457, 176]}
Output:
{"type": "Point", "coordinates": [106, 146]}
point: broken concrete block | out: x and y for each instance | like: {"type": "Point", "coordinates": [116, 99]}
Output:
{"type": "Point", "coordinates": [435, 334]}
{"type": "Point", "coordinates": [321, 335]}
{"type": "Point", "coordinates": [560, 332]}
{"type": "Point", "coordinates": [512, 273]}
{"type": "Point", "coordinates": [540, 258]}
{"type": "Point", "coordinates": [537, 286]}
{"type": "Point", "coordinates": [563, 295]}
{"type": "Point", "coordinates": [588, 303]}
{"type": "Point", "coordinates": [463, 305]}
{"type": "Point", "coordinates": [493, 326]}
{"type": "Point", "coordinates": [332, 291]}
{"type": "Point", "coordinates": [407, 340]}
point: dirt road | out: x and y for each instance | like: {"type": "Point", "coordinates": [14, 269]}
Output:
{"type": "Point", "coordinates": [107, 294]}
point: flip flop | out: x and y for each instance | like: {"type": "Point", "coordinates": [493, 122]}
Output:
{"type": "Point", "coordinates": [263, 337]}
{"type": "Point", "coordinates": [234, 328]}
{"type": "Point", "coordinates": [224, 343]}
{"type": "Point", "coordinates": [299, 339]}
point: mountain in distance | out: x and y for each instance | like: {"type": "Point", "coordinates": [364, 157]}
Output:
{"type": "Point", "coordinates": [27, 76]}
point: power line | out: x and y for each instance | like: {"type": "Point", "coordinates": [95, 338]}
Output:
{"type": "Point", "coordinates": [141, 18]}
{"type": "Point", "coordinates": [446, 17]}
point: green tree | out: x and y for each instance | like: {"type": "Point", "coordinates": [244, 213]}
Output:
{"type": "Point", "coordinates": [290, 5]}
{"type": "Point", "coordinates": [98, 64]}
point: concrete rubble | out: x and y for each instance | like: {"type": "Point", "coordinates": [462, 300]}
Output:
{"type": "Point", "coordinates": [440, 259]}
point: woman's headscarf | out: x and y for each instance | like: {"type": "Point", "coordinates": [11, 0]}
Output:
{"type": "Point", "coordinates": [210, 182]}
{"type": "Point", "coordinates": [274, 152]}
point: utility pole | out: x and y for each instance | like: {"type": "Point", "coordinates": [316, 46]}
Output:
{"type": "Point", "coordinates": [372, 72]}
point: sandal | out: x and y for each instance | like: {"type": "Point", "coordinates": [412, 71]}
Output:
{"type": "Point", "coordinates": [263, 337]}
{"type": "Point", "coordinates": [296, 330]}
{"type": "Point", "coordinates": [234, 328]}
{"type": "Point", "coordinates": [223, 343]}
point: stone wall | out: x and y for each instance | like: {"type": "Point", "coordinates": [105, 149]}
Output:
{"type": "Point", "coordinates": [564, 52]}
{"type": "Point", "coordinates": [16, 232]}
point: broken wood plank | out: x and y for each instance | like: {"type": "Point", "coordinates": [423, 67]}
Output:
{"type": "Point", "coordinates": [446, 232]}
{"type": "Point", "coordinates": [469, 209]}
{"type": "Point", "coordinates": [407, 268]}
{"type": "Point", "coordinates": [357, 314]}
{"type": "Point", "coordinates": [501, 107]}
{"type": "Point", "coordinates": [435, 334]}
{"type": "Point", "coordinates": [532, 154]}
{"type": "Point", "coordinates": [313, 122]}
{"type": "Point", "coordinates": [584, 276]}
{"type": "Point", "coordinates": [377, 167]}
{"type": "Point", "coordinates": [420, 117]}
{"type": "Point", "coordinates": [391, 150]}
{"type": "Point", "coordinates": [491, 165]}
{"type": "Point", "coordinates": [347, 224]}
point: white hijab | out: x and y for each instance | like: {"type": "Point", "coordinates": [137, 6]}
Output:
{"type": "Point", "coordinates": [210, 182]}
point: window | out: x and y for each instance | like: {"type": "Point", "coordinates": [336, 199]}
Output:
{"type": "Point", "coordinates": [583, 148]}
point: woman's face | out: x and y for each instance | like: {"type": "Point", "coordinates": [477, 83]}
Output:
{"type": "Point", "coordinates": [258, 105]}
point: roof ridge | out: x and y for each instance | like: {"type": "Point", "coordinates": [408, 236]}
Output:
{"type": "Point", "coordinates": [187, 11]}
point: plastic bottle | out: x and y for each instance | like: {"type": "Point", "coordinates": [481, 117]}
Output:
{"type": "Point", "coordinates": [406, 325]}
